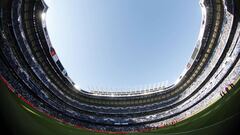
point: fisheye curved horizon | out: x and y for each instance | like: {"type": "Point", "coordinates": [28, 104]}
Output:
{"type": "Point", "coordinates": [36, 84]}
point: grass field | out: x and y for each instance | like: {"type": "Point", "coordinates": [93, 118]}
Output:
{"type": "Point", "coordinates": [18, 118]}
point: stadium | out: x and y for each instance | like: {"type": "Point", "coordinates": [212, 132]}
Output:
{"type": "Point", "coordinates": [38, 96]}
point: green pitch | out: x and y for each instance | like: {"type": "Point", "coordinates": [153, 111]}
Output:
{"type": "Point", "coordinates": [223, 117]}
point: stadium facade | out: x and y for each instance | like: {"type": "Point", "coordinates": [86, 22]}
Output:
{"type": "Point", "coordinates": [31, 69]}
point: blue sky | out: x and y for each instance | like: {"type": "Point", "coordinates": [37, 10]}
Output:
{"type": "Point", "coordinates": [123, 43]}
